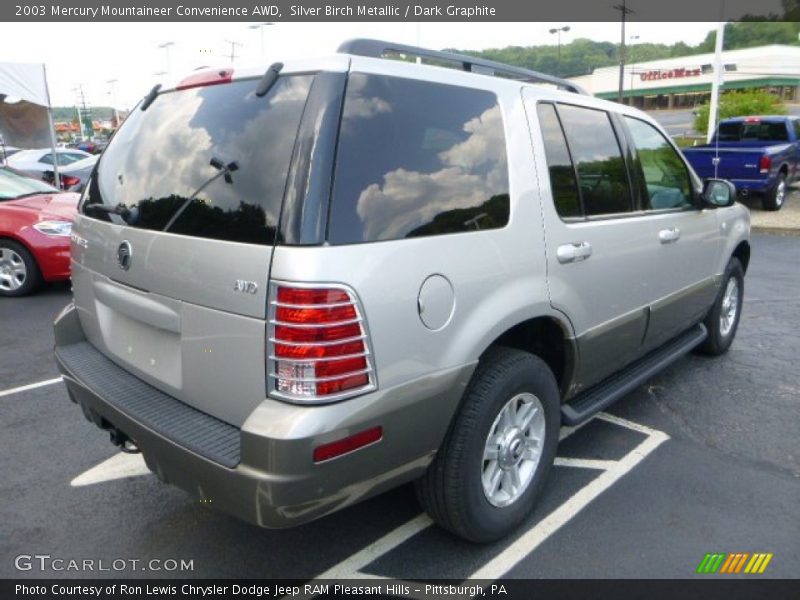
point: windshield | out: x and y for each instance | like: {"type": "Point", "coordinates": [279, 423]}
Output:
{"type": "Point", "coordinates": [755, 131]}
{"type": "Point", "coordinates": [84, 163]}
{"type": "Point", "coordinates": [13, 185]}
{"type": "Point", "coordinates": [208, 162]}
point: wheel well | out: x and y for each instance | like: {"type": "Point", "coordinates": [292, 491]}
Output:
{"type": "Point", "coordinates": [742, 252]}
{"type": "Point", "coordinates": [546, 338]}
{"type": "Point", "coordinates": [784, 169]}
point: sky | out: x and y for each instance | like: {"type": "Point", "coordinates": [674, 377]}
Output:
{"type": "Point", "coordinates": [92, 54]}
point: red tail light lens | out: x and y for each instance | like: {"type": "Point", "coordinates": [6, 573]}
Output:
{"type": "Point", "coordinates": [318, 347]}
{"type": "Point", "coordinates": [68, 181]}
{"type": "Point", "coordinates": [205, 78]}
{"type": "Point", "coordinates": [765, 164]}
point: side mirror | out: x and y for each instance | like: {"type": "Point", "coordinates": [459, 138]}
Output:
{"type": "Point", "coordinates": [719, 193]}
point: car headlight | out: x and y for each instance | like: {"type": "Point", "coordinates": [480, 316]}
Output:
{"type": "Point", "coordinates": [55, 228]}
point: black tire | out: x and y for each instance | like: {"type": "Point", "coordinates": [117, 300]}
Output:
{"type": "Point", "coordinates": [719, 340]}
{"type": "Point", "coordinates": [32, 277]}
{"type": "Point", "coordinates": [451, 491]}
{"type": "Point", "coordinates": [775, 198]}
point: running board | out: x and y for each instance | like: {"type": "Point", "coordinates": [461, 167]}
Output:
{"type": "Point", "coordinates": [604, 394]}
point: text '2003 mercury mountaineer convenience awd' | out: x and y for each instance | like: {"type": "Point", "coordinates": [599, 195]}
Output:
{"type": "Point", "coordinates": [297, 288]}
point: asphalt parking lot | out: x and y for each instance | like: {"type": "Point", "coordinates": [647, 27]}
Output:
{"type": "Point", "coordinates": [705, 458]}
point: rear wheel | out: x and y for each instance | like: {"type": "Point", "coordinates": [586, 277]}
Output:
{"type": "Point", "coordinates": [722, 320]}
{"type": "Point", "coordinates": [491, 467]}
{"type": "Point", "coordinates": [19, 273]}
{"type": "Point", "coordinates": [777, 196]}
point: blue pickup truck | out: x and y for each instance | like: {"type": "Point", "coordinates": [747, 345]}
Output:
{"type": "Point", "coordinates": [759, 155]}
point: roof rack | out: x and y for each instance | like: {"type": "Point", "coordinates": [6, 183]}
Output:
{"type": "Point", "coordinates": [473, 64]}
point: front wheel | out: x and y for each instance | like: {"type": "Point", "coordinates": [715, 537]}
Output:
{"type": "Point", "coordinates": [722, 320]}
{"type": "Point", "coordinates": [777, 196]}
{"type": "Point", "coordinates": [19, 273]}
{"type": "Point", "coordinates": [492, 465]}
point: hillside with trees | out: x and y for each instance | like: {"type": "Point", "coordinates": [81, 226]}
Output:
{"type": "Point", "coordinates": [582, 56]}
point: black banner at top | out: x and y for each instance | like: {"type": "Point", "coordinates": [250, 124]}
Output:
{"type": "Point", "coordinates": [398, 10]}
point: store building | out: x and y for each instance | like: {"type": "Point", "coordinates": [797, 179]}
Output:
{"type": "Point", "coordinates": [685, 82]}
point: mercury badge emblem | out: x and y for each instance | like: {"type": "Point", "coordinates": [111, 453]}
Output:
{"type": "Point", "coordinates": [124, 255]}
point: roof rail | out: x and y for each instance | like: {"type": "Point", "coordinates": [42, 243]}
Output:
{"type": "Point", "coordinates": [473, 64]}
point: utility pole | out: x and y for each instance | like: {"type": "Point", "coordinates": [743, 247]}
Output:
{"type": "Point", "coordinates": [632, 38]}
{"type": "Point", "coordinates": [624, 12]}
{"type": "Point", "coordinates": [166, 46]}
{"type": "Point", "coordinates": [260, 27]}
{"type": "Point", "coordinates": [716, 82]}
{"type": "Point", "coordinates": [113, 92]}
{"type": "Point", "coordinates": [233, 44]}
{"type": "Point", "coordinates": [558, 30]}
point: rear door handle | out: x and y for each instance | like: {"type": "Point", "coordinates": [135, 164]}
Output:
{"type": "Point", "coordinates": [575, 252]}
{"type": "Point", "coordinates": [668, 236]}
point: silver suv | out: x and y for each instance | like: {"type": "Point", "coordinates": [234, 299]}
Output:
{"type": "Point", "coordinates": [296, 289]}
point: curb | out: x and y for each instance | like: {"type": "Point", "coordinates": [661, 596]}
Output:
{"type": "Point", "coordinates": [785, 231]}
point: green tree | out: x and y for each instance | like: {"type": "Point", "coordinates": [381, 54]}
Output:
{"type": "Point", "coordinates": [741, 104]}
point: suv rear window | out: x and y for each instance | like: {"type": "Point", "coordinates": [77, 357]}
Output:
{"type": "Point", "coordinates": [159, 164]}
{"type": "Point", "coordinates": [417, 159]}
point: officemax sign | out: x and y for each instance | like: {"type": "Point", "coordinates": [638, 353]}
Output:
{"type": "Point", "coordinates": [670, 74]}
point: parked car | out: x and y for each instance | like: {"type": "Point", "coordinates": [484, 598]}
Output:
{"type": "Point", "coordinates": [351, 273]}
{"type": "Point", "coordinates": [759, 155]}
{"type": "Point", "coordinates": [35, 224]}
{"type": "Point", "coordinates": [36, 162]}
{"type": "Point", "coordinates": [74, 176]}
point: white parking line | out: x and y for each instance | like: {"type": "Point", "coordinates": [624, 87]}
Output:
{"type": "Point", "coordinates": [119, 466]}
{"type": "Point", "coordinates": [349, 567]}
{"type": "Point", "coordinates": [584, 463]}
{"type": "Point", "coordinates": [30, 386]}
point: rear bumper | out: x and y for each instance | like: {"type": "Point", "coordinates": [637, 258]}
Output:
{"type": "Point", "coordinates": [754, 186]}
{"type": "Point", "coordinates": [270, 479]}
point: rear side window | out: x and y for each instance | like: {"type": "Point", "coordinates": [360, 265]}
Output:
{"type": "Point", "coordinates": [206, 162]}
{"type": "Point", "coordinates": [417, 159]}
{"type": "Point", "coordinates": [562, 174]}
{"type": "Point", "coordinates": [602, 175]}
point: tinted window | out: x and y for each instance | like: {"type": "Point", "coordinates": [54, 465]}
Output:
{"type": "Point", "coordinates": [760, 131]}
{"type": "Point", "coordinates": [562, 175]}
{"type": "Point", "coordinates": [598, 159]}
{"type": "Point", "coordinates": [46, 159]}
{"type": "Point", "coordinates": [665, 175]}
{"type": "Point", "coordinates": [160, 161]}
{"type": "Point", "coordinates": [416, 159]}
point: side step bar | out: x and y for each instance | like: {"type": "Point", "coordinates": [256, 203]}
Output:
{"type": "Point", "coordinates": [604, 394]}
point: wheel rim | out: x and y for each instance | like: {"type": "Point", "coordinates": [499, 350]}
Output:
{"type": "Point", "coordinates": [513, 449]}
{"type": "Point", "coordinates": [730, 304]}
{"type": "Point", "coordinates": [780, 193]}
{"type": "Point", "coordinates": [13, 272]}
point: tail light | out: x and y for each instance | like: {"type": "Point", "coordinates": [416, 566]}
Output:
{"type": "Point", "coordinates": [764, 164]}
{"type": "Point", "coordinates": [67, 181]}
{"type": "Point", "coordinates": [205, 78]}
{"type": "Point", "coordinates": [318, 346]}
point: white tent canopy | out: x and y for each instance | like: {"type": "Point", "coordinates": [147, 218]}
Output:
{"type": "Point", "coordinates": [25, 81]}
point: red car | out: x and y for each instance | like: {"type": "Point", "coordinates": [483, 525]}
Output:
{"type": "Point", "coordinates": [35, 226]}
